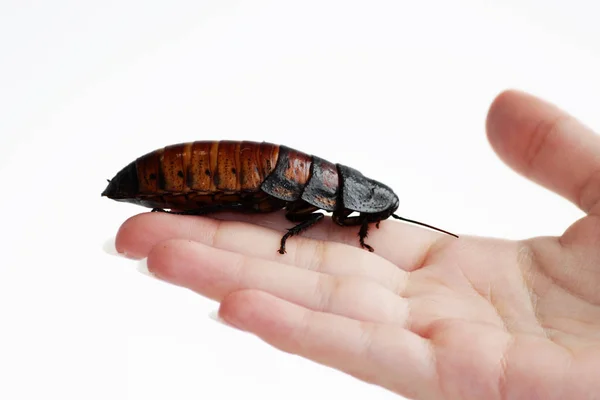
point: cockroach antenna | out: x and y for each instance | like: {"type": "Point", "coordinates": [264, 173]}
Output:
{"type": "Point", "coordinates": [422, 224]}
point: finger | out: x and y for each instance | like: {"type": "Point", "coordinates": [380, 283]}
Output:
{"type": "Point", "coordinates": [384, 239]}
{"type": "Point", "coordinates": [139, 234]}
{"type": "Point", "coordinates": [215, 273]}
{"type": "Point", "coordinates": [547, 145]}
{"type": "Point", "coordinates": [386, 355]}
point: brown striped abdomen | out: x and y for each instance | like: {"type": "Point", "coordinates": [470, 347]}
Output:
{"type": "Point", "coordinates": [206, 167]}
{"type": "Point", "coordinates": [254, 176]}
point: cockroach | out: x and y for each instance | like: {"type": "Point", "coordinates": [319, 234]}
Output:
{"type": "Point", "coordinates": [205, 177]}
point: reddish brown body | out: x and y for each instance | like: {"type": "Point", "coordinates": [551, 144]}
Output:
{"type": "Point", "coordinates": [190, 175]}
{"type": "Point", "coordinates": [204, 177]}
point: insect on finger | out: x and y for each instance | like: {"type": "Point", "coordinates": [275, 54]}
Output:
{"type": "Point", "coordinates": [206, 177]}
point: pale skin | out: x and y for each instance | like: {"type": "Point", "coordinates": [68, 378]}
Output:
{"type": "Point", "coordinates": [427, 316]}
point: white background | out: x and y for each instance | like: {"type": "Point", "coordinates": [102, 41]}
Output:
{"type": "Point", "coordinates": [85, 87]}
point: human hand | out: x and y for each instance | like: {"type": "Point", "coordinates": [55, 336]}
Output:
{"type": "Point", "coordinates": [434, 318]}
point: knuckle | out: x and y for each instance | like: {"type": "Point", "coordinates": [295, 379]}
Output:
{"type": "Point", "coordinates": [541, 139]}
{"type": "Point", "coordinates": [240, 269]}
{"type": "Point", "coordinates": [211, 235]}
{"type": "Point", "coordinates": [400, 282]}
{"type": "Point", "coordinates": [367, 338]}
{"type": "Point", "coordinates": [317, 260]}
{"type": "Point", "coordinates": [327, 288]}
{"type": "Point", "coordinates": [310, 254]}
{"type": "Point", "coordinates": [589, 193]}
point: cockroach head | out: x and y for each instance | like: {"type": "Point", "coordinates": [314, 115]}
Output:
{"type": "Point", "coordinates": [124, 185]}
{"type": "Point", "coordinates": [365, 195]}
{"type": "Point", "coordinates": [371, 198]}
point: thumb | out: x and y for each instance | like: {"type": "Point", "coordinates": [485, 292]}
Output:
{"type": "Point", "coordinates": [547, 145]}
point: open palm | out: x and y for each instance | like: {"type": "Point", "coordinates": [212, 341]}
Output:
{"type": "Point", "coordinates": [437, 317]}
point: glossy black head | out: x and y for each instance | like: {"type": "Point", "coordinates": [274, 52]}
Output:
{"type": "Point", "coordinates": [366, 196]}
{"type": "Point", "coordinates": [124, 186]}
{"type": "Point", "coordinates": [374, 200]}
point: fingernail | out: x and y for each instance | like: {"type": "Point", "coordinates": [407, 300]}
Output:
{"type": "Point", "coordinates": [110, 248]}
{"type": "Point", "coordinates": [214, 315]}
{"type": "Point", "coordinates": [143, 269]}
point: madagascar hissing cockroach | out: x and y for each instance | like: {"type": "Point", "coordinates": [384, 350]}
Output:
{"type": "Point", "coordinates": [204, 177]}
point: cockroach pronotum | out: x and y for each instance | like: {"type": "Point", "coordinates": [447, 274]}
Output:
{"type": "Point", "coordinates": [204, 177]}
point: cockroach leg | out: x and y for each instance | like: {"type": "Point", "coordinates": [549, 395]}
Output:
{"type": "Point", "coordinates": [362, 235]}
{"type": "Point", "coordinates": [209, 209]}
{"type": "Point", "coordinates": [342, 219]}
{"type": "Point", "coordinates": [307, 221]}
